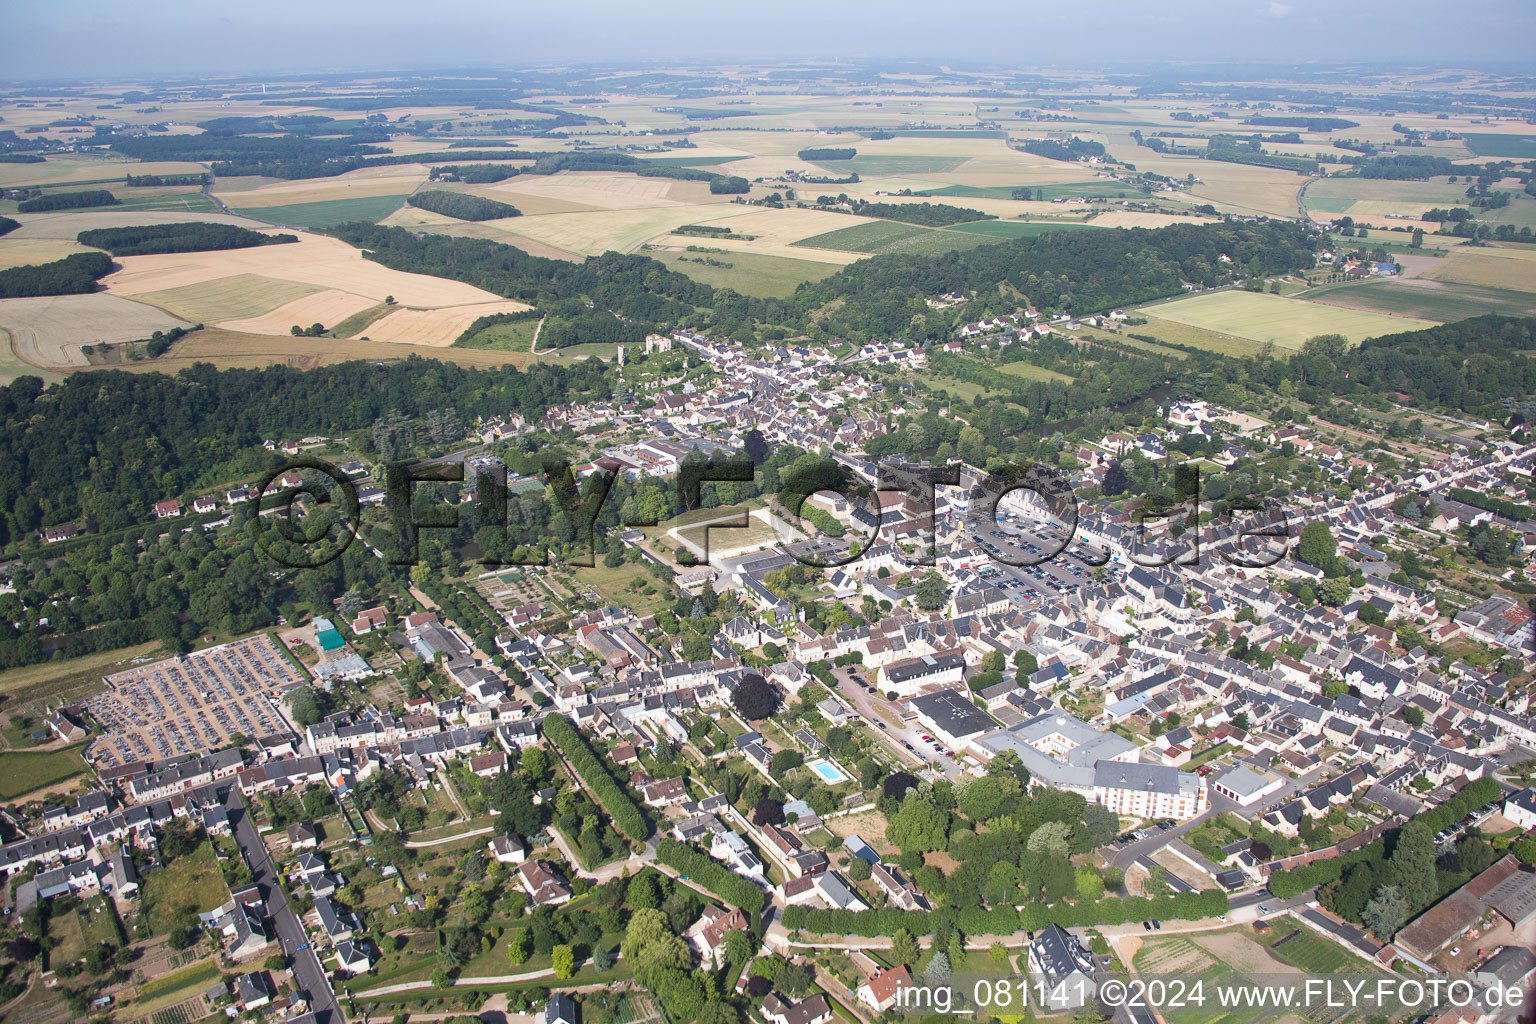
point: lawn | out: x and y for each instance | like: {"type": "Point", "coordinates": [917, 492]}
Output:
{"type": "Point", "coordinates": [193, 879]}
{"type": "Point", "coordinates": [23, 771]}
{"type": "Point", "coordinates": [63, 676]}
{"type": "Point", "coordinates": [754, 274]}
{"type": "Point", "coordinates": [1019, 228]}
{"type": "Point", "coordinates": [1030, 371]}
{"type": "Point", "coordinates": [1429, 300]}
{"type": "Point", "coordinates": [628, 586]}
{"type": "Point", "coordinates": [325, 214]}
{"type": "Point", "coordinates": [1306, 949]}
{"type": "Point", "coordinates": [1284, 322]}
{"type": "Point", "coordinates": [513, 337]}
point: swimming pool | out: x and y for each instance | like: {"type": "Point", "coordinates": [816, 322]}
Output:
{"type": "Point", "coordinates": [830, 773]}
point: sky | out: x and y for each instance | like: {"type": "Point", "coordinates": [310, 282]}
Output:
{"type": "Point", "coordinates": [170, 38]}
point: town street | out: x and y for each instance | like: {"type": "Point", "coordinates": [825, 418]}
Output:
{"type": "Point", "coordinates": [308, 975]}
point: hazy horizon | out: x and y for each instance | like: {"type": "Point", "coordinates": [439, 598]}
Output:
{"type": "Point", "coordinates": [166, 39]}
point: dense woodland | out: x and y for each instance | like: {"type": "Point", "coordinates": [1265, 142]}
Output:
{"type": "Point", "coordinates": [67, 201]}
{"type": "Point", "coordinates": [191, 236]}
{"type": "Point", "coordinates": [1072, 149]}
{"type": "Point", "coordinates": [73, 275]}
{"type": "Point", "coordinates": [828, 153]}
{"type": "Point", "coordinates": [461, 205]}
{"type": "Point", "coordinates": [477, 174]}
{"type": "Point", "coordinates": [636, 287]}
{"type": "Point", "coordinates": [932, 215]}
{"type": "Point", "coordinates": [7, 225]}
{"type": "Point", "coordinates": [1079, 271]}
{"type": "Point", "coordinates": [108, 444]}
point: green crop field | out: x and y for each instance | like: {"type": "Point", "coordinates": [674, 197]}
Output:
{"type": "Point", "coordinates": [892, 165]}
{"type": "Point", "coordinates": [1429, 300]}
{"type": "Point", "coordinates": [325, 214]}
{"type": "Point", "coordinates": [1283, 322]}
{"type": "Point", "coordinates": [754, 274]}
{"type": "Point", "coordinates": [21, 771]}
{"type": "Point", "coordinates": [1018, 228]}
{"type": "Point", "coordinates": [1314, 954]}
{"type": "Point", "coordinates": [191, 201]}
{"type": "Point", "coordinates": [692, 161]}
{"type": "Point", "coordinates": [1517, 147]}
{"type": "Point", "coordinates": [884, 236]}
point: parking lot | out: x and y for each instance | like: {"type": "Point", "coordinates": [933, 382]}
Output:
{"type": "Point", "coordinates": [190, 704]}
{"type": "Point", "coordinates": [1033, 558]}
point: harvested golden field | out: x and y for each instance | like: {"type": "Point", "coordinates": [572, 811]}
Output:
{"type": "Point", "coordinates": [1134, 219]}
{"type": "Point", "coordinates": [235, 297]}
{"type": "Point", "coordinates": [604, 191]}
{"type": "Point", "coordinates": [1493, 268]}
{"type": "Point", "coordinates": [67, 169]}
{"type": "Point", "coordinates": [602, 230]}
{"type": "Point", "coordinates": [21, 252]}
{"type": "Point", "coordinates": [435, 328]}
{"type": "Point", "coordinates": [775, 232]}
{"type": "Point", "coordinates": [227, 349]}
{"type": "Point", "coordinates": [327, 308]}
{"type": "Point", "coordinates": [316, 261]}
{"type": "Point", "coordinates": [69, 223]}
{"type": "Point", "coordinates": [49, 330]}
{"type": "Point", "coordinates": [370, 181]}
{"type": "Point", "coordinates": [410, 217]}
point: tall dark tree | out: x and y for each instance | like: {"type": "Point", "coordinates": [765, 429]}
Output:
{"type": "Point", "coordinates": [755, 698]}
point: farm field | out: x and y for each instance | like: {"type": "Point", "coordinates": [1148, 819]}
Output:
{"type": "Point", "coordinates": [245, 192]}
{"type": "Point", "coordinates": [1512, 268]}
{"type": "Point", "coordinates": [326, 213]}
{"type": "Point", "coordinates": [21, 772]}
{"type": "Point", "coordinates": [49, 330]}
{"type": "Point", "coordinates": [65, 225]}
{"type": "Point", "coordinates": [76, 169]}
{"type": "Point", "coordinates": [226, 348]}
{"type": "Point", "coordinates": [1136, 219]}
{"type": "Point", "coordinates": [1018, 228]}
{"type": "Point", "coordinates": [1425, 299]}
{"type": "Point", "coordinates": [328, 308]}
{"type": "Point", "coordinates": [1284, 322]}
{"type": "Point", "coordinates": [1499, 144]}
{"type": "Point", "coordinates": [748, 273]}
{"type": "Point", "coordinates": [234, 298]}
{"type": "Point", "coordinates": [314, 263]}
{"type": "Point", "coordinates": [20, 252]}
{"type": "Point", "coordinates": [435, 328]}
{"type": "Point", "coordinates": [886, 236]}
{"type": "Point", "coordinates": [1377, 197]}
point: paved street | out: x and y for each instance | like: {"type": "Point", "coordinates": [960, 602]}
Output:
{"type": "Point", "coordinates": [309, 977]}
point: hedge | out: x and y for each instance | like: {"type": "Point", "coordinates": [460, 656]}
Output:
{"type": "Point", "coordinates": [1008, 920]}
{"type": "Point", "coordinates": [711, 874]}
{"type": "Point", "coordinates": [612, 796]}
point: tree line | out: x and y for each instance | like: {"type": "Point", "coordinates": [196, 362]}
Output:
{"type": "Point", "coordinates": [461, 205]}
{"type": "Point", "coordinates": [67, 201]}
{"type": "Point", "coordinates": [1072, 149]}
{"type": "Point", "coordinates": [611, 794]}
{"type": "Point", "coordinates": [159, 180]}
{"type": "Point", "coordinates": [636, 287]}
{"type": "Point", "coordinates": [828, 153]}
{"type": "Point", "coordinates": [190, 236]}
{"type": "Point", "coordinates": [932, 215]}
{"type": "Point", "coordinates": [477, 174]}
